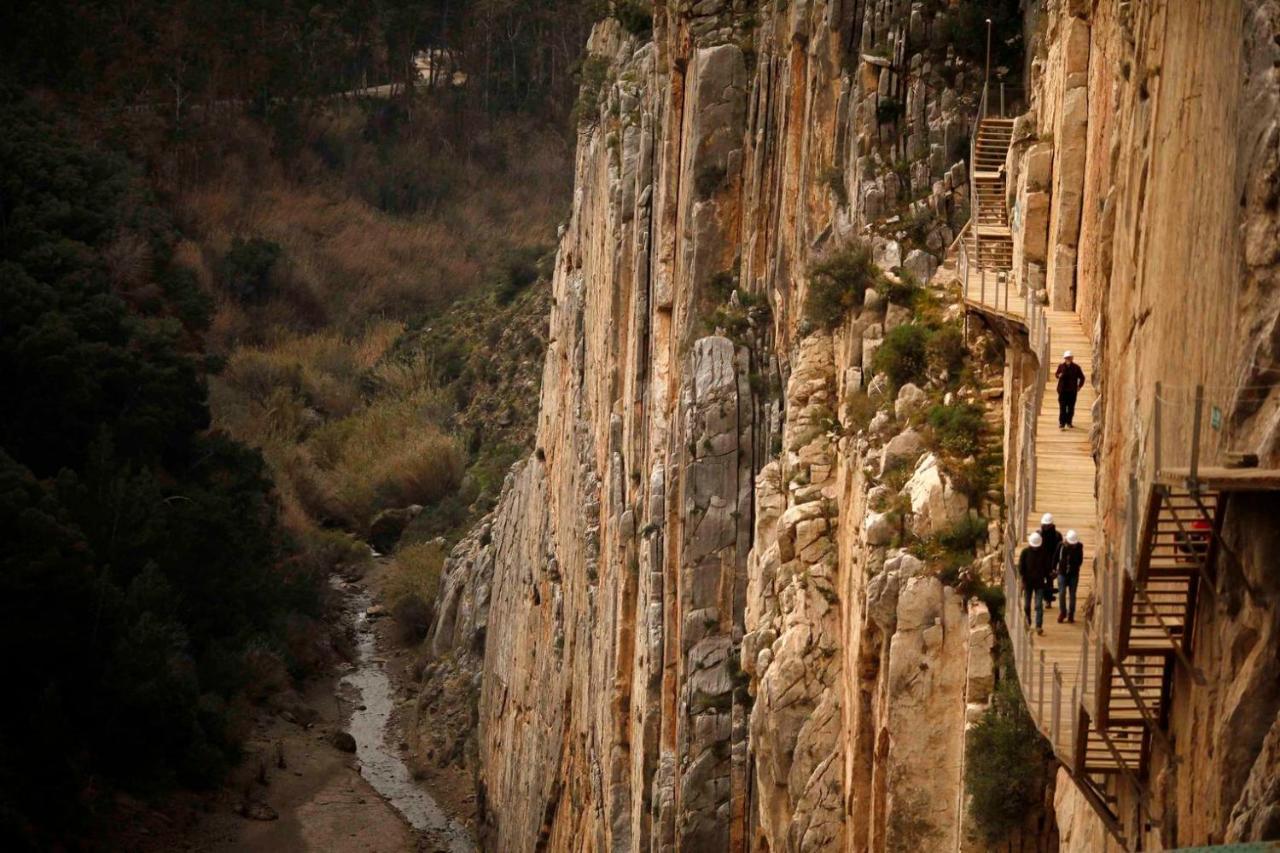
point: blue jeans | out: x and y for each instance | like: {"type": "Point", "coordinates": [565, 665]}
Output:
{"type": "Point", "coordinates": [1027, 594]}
{"type": "Point", "coordinates": [1068, 584]}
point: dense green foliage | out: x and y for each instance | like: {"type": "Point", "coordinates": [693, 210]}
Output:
{"type": "Point", "coordinates": [902, 355]}
{"type": "Point", "coordinates": [142, 578]}
{"type": "Point", "coordinates": [180, 56]}
{"type": "Point", "coordinates": [839, 283]}
{"type": "Point", "coordinates": [957, 429]}
{"type": "Point", "coordinates": [1008, 763]}
{"type": "Point", "coordinates": [246, 268]}
{"type": "Point", "coordinates": [965, 28]}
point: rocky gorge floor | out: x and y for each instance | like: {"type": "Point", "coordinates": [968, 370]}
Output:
{"type": "Point", "coordinates": [326, 768]}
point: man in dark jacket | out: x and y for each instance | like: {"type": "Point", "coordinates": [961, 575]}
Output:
{"type": "Point", "coordinates": [1052, 539]}
{"type": "Point", "coordinates": [1034, 565]}
{"type": "Point", "coordinates": [1070, 381]}
{"type": "Point", "coordinates": [1070, 559]}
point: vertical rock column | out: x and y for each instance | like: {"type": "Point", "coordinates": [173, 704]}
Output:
{"type": "Point", "coordinates": [793, 647]}
{"type": "Point", "coordinates": [715, 500]}
{"type": "Point", "coordinates": [1068, 126]}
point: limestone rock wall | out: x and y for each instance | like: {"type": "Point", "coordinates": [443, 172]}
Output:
{"type": "Point", "coordinates": [1147, 181]}
{"type": "Point", "coordinates": [690, 630]}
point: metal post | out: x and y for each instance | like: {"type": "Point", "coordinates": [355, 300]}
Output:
{"type": "Point", "coordinates": [1131, 538]}
{"type": "Point", "coordinates": [1155, 425]}
{"type": "Point", "coordinates": [986, 74]}
{"type": "Point", "coordinates": [1074, 710]}
{"type": "Point", "coordinates": [1001, 82]}
{"type": "Point", "coordinates": [1084, 663]}
{"type": "Point", "coordinates": [1056, 712]}
{"type": "Point", "coordinates": [1040, 691]}
{"type": "Point", "coordinates": [1195, 439]}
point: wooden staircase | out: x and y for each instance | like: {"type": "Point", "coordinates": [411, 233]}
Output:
{"type": "Point", "coordinates": [991, 148]}
{"type": "Point", "coordinates": [1142, 635]}
{"type": "Point", "coordinates": [988, 243]}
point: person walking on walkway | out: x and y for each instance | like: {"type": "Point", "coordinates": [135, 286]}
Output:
{"type": "Point", "coordinates": [1034, 566]}
{"type": "Point", "coordinates": [1052, 539]}
{"type": "Point", "coordinates": [1070, 559]}
{"type": "Point", "coordinates": [1070, 381]}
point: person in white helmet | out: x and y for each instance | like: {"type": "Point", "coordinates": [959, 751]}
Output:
{"type": "Point", "coordinates": [1069, 560]}
{"type": "Point", "coordinates": [1034, 565]}
{"type": "Point", "coordinates": [1052, 539]}
{"type": "Point", "coordinates": [1070, 381]}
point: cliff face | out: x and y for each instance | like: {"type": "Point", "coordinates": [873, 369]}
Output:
{"type": "Point", "coordinates": [690, 615]}
{"type": "Point", "coordinates": [1148, 187]}
{"type": "Point", "coordinates": [691, 629]}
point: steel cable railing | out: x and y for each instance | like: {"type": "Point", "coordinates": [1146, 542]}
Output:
{"type": "Point", "coordinates": [1194, 427]}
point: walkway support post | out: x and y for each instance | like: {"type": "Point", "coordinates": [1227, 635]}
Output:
{"type": "Point", "coordinates": [1155, 425]}
{"type": "Point", "coordinates": [1194, 483]}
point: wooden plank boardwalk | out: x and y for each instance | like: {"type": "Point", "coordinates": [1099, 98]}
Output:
{"type": "Point", "coordinates": [1050, 664]}
{"type": "Point", "coordinates": [1064, 487]}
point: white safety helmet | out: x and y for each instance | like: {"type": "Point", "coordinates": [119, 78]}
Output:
{"type": "Point", "coordinates": [1034, 540]}
{"type": "Point", "coordinates": [1047, 518]}
{"type": "Point", "coordinates": [1072, 538]}
{"type": "Point", "coordinates": [1067, 354]}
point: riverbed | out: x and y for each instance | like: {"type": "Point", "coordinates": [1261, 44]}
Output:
{"type": "Point", "coordinates": [369, 691]}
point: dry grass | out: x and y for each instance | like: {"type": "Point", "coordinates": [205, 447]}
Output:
{"type": "Point", "coordinates": [410, 588]}
{"type": "Point", "coordinates": [414, 571]}
{"type": "Point", "coordinates": [344, 259]}
{"type": "Point", "coordinates": [338, 456]}
{"type": "Point", "coordinates": [380, 227]}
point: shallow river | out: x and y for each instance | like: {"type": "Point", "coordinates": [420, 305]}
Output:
{"type": "Point", "coordinates": [380, 761]}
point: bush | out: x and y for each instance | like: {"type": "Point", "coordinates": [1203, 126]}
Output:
{"type": "Point", "coordinates": [519, 270]}
{"type": "Point", "coordinates": [903, 291]}
{"type": "Point", "coordinates": [1007, 766]}
{"type": "Point", "coordinates": [902, 355]}
{"type": "Point", "coordinates": [946, 351]}
{"type": "Point", "coordinates": [964, 535]}
{"type": "Point", "coordinates": [839, 284]}
{"type": "Point", "coordinates": [413, 581]}
{"type": "Point", "coordinates": [958, 428]}
{"type": "Point", "coordinates": [593, 77]}
{"type": "Point", "coordinates": [859, 409]}
{"type": "Point", "coordinates": [889, 110]}
{"type": "Point", "coordinates": [246, 269]}
{"type": "Point", "coordinates": [973, 477]}
{"type": "Point", "coordinates": [636, 17]}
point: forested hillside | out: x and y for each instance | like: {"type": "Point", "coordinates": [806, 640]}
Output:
{"type": "Point", "coordinates": [262, 278]}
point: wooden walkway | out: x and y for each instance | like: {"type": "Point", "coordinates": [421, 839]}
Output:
{"type": "Point", "coordinates": [1064, 486]}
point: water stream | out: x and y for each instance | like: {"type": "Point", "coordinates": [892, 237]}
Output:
{"type": "Point", "coordinates": [380, 762]}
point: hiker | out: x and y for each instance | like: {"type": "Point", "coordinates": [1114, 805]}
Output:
{"type": "Point", "coordinates": [1193, 544]}
{"type": "Point", "coordinates": [1070, 381]}
{"type": "Point", "coordinates": [1034, 567]}
{"type": "Point", "coordinates": [1052, 539]}
{"type": "Point", "coordinates": [1070, 559]}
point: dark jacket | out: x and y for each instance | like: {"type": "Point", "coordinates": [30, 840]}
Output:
{"type": "Point", "coordinates": [1070, 378]}
{"type": "Point", "coordinates": [1034, 567]}
{"type": "Point", "coordinates": [1070, 558]}
{"type": "Point", "coordinates": [1052, 539]}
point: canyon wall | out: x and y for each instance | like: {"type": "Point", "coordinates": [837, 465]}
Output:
{"type": "Point", "coordinates": [1148, 178]}
{"type": "Point", "coordinates": [693, 618]}
{"type": "Point", "coordinates": [705, 614]}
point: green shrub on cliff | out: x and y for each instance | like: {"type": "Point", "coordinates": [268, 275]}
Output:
{"type": "Point", "coordinates": [839, 283]}
{"type": "Point", "coordinates": [1007, 765]}
{"type": "Point", "coordinates": [902, 355]}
